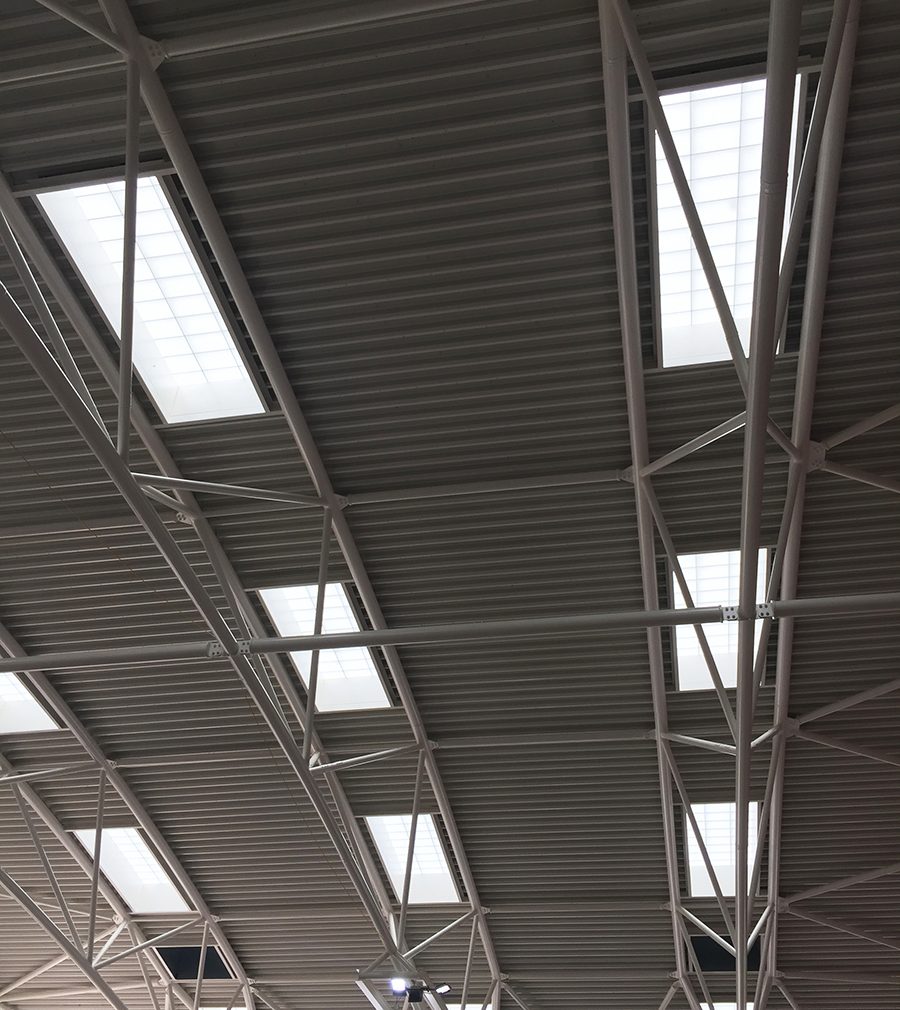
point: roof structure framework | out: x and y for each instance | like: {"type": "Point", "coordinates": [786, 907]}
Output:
{"type": "Point", "coordinates": [193, 524]}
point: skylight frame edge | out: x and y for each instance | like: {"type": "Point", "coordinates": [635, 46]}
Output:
{"type": "Point", "coordinates": [214, 285]}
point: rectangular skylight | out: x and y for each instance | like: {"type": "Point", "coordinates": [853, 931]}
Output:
{"type": "Point", "coordinates": [431, 881]}
{"type": "Point", "coordinates": [718, 135]}
{"type": "Point", "coordinates": [718, 829]}
{"type": "Point", "coordinates": [713, 579]}
{"type": "Point", "coordinates": [347, 678]}
{"type": "Point", "coordinates": [183, 350]}
{"type": "Point", "coordinates": [134, 871]}
{"type": "Point", "coordinates": [20, 711]}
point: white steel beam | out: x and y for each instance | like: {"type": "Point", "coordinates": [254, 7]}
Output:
{"type": "Point", "coordinates": [179, 150]}
{"type": "Point", "coordinates": [783, 45]}
{"type": "Point", "coordinates": [828, 174]}
{"type": "Point", "coordinates": [615, 102]}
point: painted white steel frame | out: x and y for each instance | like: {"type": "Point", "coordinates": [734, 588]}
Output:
{"type": "Point", "coordinates": [822, 161]}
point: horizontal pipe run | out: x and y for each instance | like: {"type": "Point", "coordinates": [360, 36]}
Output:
{"type": "Point", "coordinates": [474, 631]}
{"type": "Point", "coordinates": [146, 480]}
{"type": "Point", "coordinates": [586, 477]}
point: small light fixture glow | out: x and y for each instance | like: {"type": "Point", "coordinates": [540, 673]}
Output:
{"type": "Point", "coordinates": [443, 988]}
{"type": "Point", "coordinates": [398, 985]}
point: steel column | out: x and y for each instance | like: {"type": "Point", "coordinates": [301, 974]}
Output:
{"type": "Point", "coordinates": [615, 102]}
{"type": "Point", "coordinates": [783, 45]}
{"type": "Point", "coordinates": [811, 327]}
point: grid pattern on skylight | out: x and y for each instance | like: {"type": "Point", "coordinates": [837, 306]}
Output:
{"type": "Point", "coordinates": [19, 710]}
{"type": "Point", "coordinates": [713, 579]}
{"type": "Point", "coordinates": [718, 829]}
{"type": "Point", "coordinates": [183, 350]}
{"type": "Point", "coordinates": [131, 867]}
{"type": "Point", "coordinates": [718, 135]}
{"type": "Point", "coordinates": [347, 678]}
{"type": "Point", "coordinates": [430, 881]}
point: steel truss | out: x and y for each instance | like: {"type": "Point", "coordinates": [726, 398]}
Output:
{"type": "Point", "coordinates": [620, 41]}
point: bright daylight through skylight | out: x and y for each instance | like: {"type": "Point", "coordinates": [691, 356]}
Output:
{"type": "Point", "coordinates": [712, 579]}
{"type": "Point", "coordinates": [183, 350]}
{"type": "Point", "coordinates": [718, 828]}
{"type": "Point", "coordinates": [19, 710]}
{"type": "Point", "coordinates": [347, 677]}
{"type": "Point", "coordinates": [129, 865]}
{"type": "Point", "coordinates": [718, 135]}
{"type": "Point", "coordinates": [430, 881]}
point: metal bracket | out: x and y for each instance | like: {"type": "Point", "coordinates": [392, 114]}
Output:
{"type": "Point", "coordinates": [764, 610]}
{"type": "Point", "coordinates": [342, 501]}
{"type": "Point", "coordinates": [243, 647]}
{"type": "Point", "coordinates": [155, 51]}
{"type": "Point", "coordinates": [184, 518]}
{"type": "Point", "coordinates": [215, 650]}
{"type": "Point", "coordinates": [627, 475]}
{"type": "Point", "coordinates": [791, 727]}
{"type": "Point", "coordinates": [816, 456]}
{"type": "Point", "coordinates": [730, 614]}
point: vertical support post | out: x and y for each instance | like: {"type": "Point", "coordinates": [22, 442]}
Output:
{"type": "Point", "coordinates": [783, 46]}
{"type": "Point", "coordinates": [615, 100]}
{"type": "Point", "coordinates": [126, 336]}
{"type": "Point", "coordinates": [467, 977]}
{"type": "Point", "coordinates": [321, 587]}
{"type": "Point", "coordinates": [201, 966]}
{"type": "Point", "coordinates": [95, 869]}
{"type": "Point", "coordinates": [821, 231]}
{"type": "Point", "coordinates": [411, 847]}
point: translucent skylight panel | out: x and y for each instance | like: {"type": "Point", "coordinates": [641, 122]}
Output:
{"type": "Point", "coordinates": [713, 579]}
{"type": "Point", "coordinates": [718, 135]}
{"type": "Point", "coordinates": [134, 871]}
{"type": "Point", "coordinates": [20, 712]}
{"type": "Point", "coordinates": [718, 829]}
{"type": "Point", "coordinates": [347, 678]}
{"type": "Point", "coordinates": [430, 881]}
{"type": "Point", "coordinates": [183, 350]}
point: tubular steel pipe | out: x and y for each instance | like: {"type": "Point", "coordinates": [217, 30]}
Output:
{"type": "Point", "coordinates": [51, 328]}
{"type": "Point", "coordinates": [861, 427]}
{"type": "Point", "coordinates": [822, 227]}
{"type": "Point", "coordinates": [160, 454]}
{"type": "Point", "coordinates": [129, 253]}
{"type": "Point", "coordinates": [473, 631]}
{"type": "Point", "coordinates": [229, 490]}
{"type": "Point", "coordinates": [783, 47]}
{"type": "Point", "coordinates": [46, 367]}
{"type": "Point", "coordinates": [169, 129]}
{"type": "Point", "coordinates": [809, 162]}
{"type": "Point", "coordinates": [82, 860]}
{"type": "Point", "coordinates": [76, 956]}
{"type": "Point", "coordinates": [615, 101]}
{"type": "Point", "coordinates": [686, 198]}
